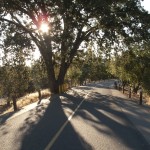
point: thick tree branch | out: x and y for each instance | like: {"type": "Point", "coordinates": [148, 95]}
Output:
{"type": "Point", "coordinates": [76, 45]}
{"type": "Point", "coordinates": [27, 12]}
{"type": "Point", "coordinates": [88, 32]}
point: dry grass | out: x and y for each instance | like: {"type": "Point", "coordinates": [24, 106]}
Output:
{"type": "Point", "coordinates": [31, 98]}
{"type": "Point", "coordinates": [147, 100]}
{"type": "Point", "coordinates": [26, 100]}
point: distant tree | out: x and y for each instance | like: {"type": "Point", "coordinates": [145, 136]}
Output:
{"type": "Point", "coordinates": [88, 66]}
{"type": "Point", "coordinates": [136, 66]}
{"type": "Point", "coordinates": [116, 69]}
{"type": "Point", "coordinates": [133, 66]}
{"type": "Point", "coordinates": [73, 74]}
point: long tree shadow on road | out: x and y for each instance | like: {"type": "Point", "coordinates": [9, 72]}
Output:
{"type": "Point", "coordinates": [108, 119]}
{"type": "Point", "coordinates": [100, 112]}
{"type": "Point", "coordinates": [37, 134]}
{"type": "Point", "coordinates": [5, 117]}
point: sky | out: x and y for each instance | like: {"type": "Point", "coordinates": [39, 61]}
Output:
{"type": "Point", "coordinates": [146, 5]}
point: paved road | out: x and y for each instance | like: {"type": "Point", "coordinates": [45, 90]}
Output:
{"type": "Point", "coordinates": [92, 121]}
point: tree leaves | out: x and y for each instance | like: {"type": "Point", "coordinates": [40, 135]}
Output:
{"type": "Point", "coordinates": [71, 23]}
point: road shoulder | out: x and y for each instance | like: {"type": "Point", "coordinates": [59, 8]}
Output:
{"type": "Point", "coordinates": [138, 115]}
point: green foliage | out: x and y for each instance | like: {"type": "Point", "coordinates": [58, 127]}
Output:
{"type": "Point", "coordinates": [133, 65]}
{"type": "Point", "coordinates": [71, 23]}
{"type": "Point", "coordinates": [90, 67]}
{"type": "Point", "coordinates": [14, 80]}
{"type": "Point", "coordinates": [14, 74]}
{"type": "Point", "coordinates": [146, 81]}
{"type": "Point", "coordinates": [38, 74]}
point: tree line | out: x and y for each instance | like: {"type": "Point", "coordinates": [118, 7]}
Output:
{"type": "Point", "coordinates": [132, 67]}
{"type": "Point", "coordinates": [18, 79]}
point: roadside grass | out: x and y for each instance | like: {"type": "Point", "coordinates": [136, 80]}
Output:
{"type": "Point", "coordinates": [25, 100]}
{"type": "Point", "coordinates": [148, 100]}
{"type": "Point", "coordinates": [31, 98]}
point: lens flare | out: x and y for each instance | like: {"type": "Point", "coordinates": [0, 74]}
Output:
{"type": "Point", "coordinates": [44, 27]}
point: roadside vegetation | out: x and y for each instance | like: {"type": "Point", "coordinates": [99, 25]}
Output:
{"type": "Point", "coordinates": [20, 88]}
{"type": "Point", "coordinates": [132, 68]}
{"type": "Point", "coordinates": [32, 83]}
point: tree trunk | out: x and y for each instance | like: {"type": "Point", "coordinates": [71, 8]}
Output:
{"type": "Point", "coordinates": [85, 82]}
{"type": "Point", "coordinates": [46, 52]}
{"type": "Point", "coordinates": [8, 102]}
{"type": "Point", "coordinates": [54, 84]}
{"type": "Point", "coordinates": [14, 103]}
{"type": "Point", "coordinates": [123, 88]}
{"type": "Point", "coordinates": [141, 95]}
{"type": "Point", "coordinates": [39, 95]}
{"type": "Point", "coordinates": [135, 88]}
{"type": "Point", "coordinates": [130, 92]}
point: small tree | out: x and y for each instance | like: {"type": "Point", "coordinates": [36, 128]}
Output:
{"type": "Point", "coordinates": [39, 76]}
{"type": "Point", "coordinates": [15, 76]}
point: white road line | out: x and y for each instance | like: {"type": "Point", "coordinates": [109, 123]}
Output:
{"type": "Point", "coordinates": [50, 144]}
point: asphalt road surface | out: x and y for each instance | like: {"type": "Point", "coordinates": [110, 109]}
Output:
{"type": "Point", "coordinates": [87, 118]}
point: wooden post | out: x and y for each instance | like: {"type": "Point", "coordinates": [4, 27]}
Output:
{"type": "Point", "coordinates": [39, 95]}
{"type": "Point", "coordinates": [14, 102]}
{"type": "Point", "coordinates": [130, 92]}
{"type": "Point", "coordinates": [123, 89]}
{"type": "Point", "coordinates": [141, 96]}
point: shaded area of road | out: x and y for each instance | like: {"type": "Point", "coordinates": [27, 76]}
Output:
{"type": "Point", "coordinates": [112, 129]}
{"type": "Point", "coordinates": [40, 134]}
{"type": "Point", "coordinates": [5, 117]}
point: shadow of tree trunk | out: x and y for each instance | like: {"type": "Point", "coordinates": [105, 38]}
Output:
{"type": "Point", "coordinates": [38, 135]}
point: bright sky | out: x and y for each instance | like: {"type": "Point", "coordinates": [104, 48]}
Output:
{"type": "Point", "coordinates": [146, 5]}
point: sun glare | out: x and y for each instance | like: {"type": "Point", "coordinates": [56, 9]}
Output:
{"type": "Point", "coordinates": [44, 27]}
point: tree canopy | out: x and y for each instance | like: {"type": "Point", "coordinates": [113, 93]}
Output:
{"type": "Point", "coordinates": [71, 24]}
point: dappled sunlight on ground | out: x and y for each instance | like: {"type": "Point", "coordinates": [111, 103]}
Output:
{"type": "Point", "coordinates": [87, 117]}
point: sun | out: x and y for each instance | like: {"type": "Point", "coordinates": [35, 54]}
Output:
{"type": "Point", "coordinates": [44, 27]}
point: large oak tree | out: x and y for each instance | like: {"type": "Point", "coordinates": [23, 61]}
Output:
{"type": "Point", "coordinates": [71, 23]}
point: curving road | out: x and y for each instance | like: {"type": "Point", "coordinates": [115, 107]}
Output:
{"type": "Point", "coordinates": [87, 118]}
